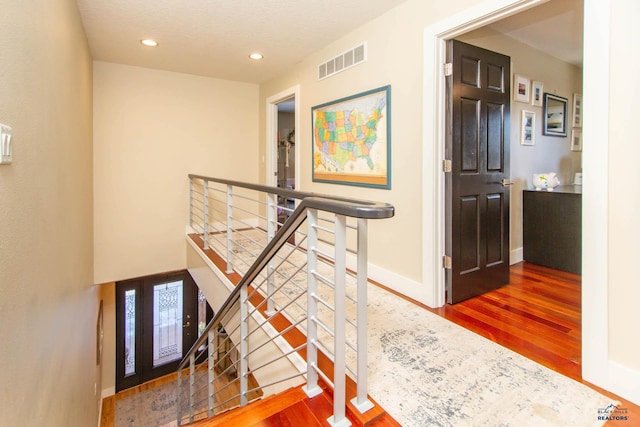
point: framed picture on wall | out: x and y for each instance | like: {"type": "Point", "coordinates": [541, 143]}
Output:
{"type": "Point", "coordinates": [576, 140]}
{"type": "Point", "coordinates": [577, 110]}
{"type": "Point", "coordinates": [521, 88]}
{"type": "Point", "coordinates": [554, 115]}
{"type": "Point", "coordinates": [527, 128]}
{"type": "Point", "coordinates": [352, 140]}
{"type": "Point", "coordinates": [536, 93]}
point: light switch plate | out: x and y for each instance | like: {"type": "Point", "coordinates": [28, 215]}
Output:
{"type": "Point", "coordinates": [6, 151]}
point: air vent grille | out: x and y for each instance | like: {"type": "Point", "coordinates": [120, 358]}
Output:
{"type": "Point", "coordinates": [348, 59]}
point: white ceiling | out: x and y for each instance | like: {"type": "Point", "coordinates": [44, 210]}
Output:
{"type": "Point", "coordinates": [555, 27]}
{"type": "Point", "coordinates": [214, 37]}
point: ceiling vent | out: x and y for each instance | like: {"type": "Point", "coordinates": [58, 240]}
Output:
{"type": "Point", "coordinates": [349, 59]}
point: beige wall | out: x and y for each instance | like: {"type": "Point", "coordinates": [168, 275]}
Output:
{"type": "Point", "coordinates": [394, 58]}
{"type": "Point", "coordinates": [151, 129]}
{"type": "Point", "coordinates": [48, 305]}
{"type": "Point", "coordinates": [624, 176]}
{"type": "Point", "coordinates": [549, 154]}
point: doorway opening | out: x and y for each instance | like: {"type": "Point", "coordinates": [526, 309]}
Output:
{"type": "Point", "coordinates": [282, 148]}
{"type": "Point", "coordinates": [434, 108]}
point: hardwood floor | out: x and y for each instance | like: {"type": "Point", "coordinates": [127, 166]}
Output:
{"type": "Point", "coordinates": [537, 315]}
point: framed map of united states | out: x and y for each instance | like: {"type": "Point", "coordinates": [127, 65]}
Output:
{"type": "Point", "coordinates": [351, 140]}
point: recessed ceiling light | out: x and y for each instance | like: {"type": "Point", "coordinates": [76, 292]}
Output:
{"type": "Point", "coordinates": [255, 55]}
{"type": "Point", "coordinates": [149, 42]}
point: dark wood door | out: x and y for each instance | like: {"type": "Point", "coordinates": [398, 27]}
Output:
{"type": "Point", "coordinates": [156, 324]}
{"type": "Point", "coordinates": [477, 198]}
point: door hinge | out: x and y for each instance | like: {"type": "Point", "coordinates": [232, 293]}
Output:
{"type": "Point", "coordinates": [446, 262]}
{"type": "Point", "coordinates": [446, 165]}
{"type": "Point", "coordinates": [448, 69]}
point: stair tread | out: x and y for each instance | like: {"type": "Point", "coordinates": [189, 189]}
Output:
{"type": "Point", "coordinates": [256, 411]}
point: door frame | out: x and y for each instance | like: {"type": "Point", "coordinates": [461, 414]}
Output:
{"type": "Point", "coordinates": [271, 150]}
{"type": "Point", "coordinates": [434, 128]}
{"type": "Point", "coordinates": [596, 366]}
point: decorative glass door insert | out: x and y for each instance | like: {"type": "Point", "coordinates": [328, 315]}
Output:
{"type": "Point", "coordinates": [167, 323]}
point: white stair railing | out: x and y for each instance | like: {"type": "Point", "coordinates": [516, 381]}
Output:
{"type": "Point", "coordinates": [314, 277]}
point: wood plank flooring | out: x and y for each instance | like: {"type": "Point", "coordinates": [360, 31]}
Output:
{"type": "Point", "coordinates": [537, 315]}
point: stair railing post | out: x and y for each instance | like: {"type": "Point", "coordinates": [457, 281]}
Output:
{"type": "Point", "coordinates": [192, 386]}
{"type": "Point", "coordinates": [272, 227]}
{"type": "Point", "coordinates": [311, 388]}
{"type": "Point", "coordinates": [213, 350]}
{"type": "Point", "coordinates": [361, 401]}
{"type": "Point", "coordinates": [191, 202]}
{"type": "Point", "coordinates": [205, 207]}
{"type": "Point", "coordinates": [244, 347]}
{"type": "Point", "coordinates": [229, 229]}
{"type": "Point", "coordinates": [339, 418]}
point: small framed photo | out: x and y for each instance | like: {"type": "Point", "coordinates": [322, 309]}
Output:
{"type": "Point", "coordinates": [527, 128]}
{"type": "Point", "coordinates": [521, 88]}
{"type": "Point", "coordinates": [576, 140]}
{"type": "Point", "coordinates": [577, 110]}
{"type": "Point", "coordinates": [536, 93]}
{"type": "Point", "coordinates": [554, 115]}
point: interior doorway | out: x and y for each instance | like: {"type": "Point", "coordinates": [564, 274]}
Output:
{"type": "Point", "coordinates": [282, 148]}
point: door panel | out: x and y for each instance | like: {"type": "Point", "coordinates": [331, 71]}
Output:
{"type": "Point", "coordinates": [156, 324]}
{"type": "Point", "coordinates": [477, 205]}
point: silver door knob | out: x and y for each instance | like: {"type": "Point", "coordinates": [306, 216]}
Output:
{"type": "Point", "coordinates": [506, 182]}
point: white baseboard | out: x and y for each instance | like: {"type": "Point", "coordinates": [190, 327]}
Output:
{"type": "Point", "coordinates": [390, 279]}
{"type": "Point", "coordinates": [624, 381]}
{"type": "Point", "coordinates": [403, 285]}
{"type": "Point", "coordinates": [106, 392]}
{"type": "Point", "coordinates": [516, 255]}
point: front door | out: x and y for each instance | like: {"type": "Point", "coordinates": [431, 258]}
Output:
{"type": "Point", "coordinates": [477, 188]}
{"type": "Point", "coordinates": [156, 324]}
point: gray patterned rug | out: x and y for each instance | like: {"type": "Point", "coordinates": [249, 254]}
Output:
{"type": "Point", "coordinates": [427, 371]}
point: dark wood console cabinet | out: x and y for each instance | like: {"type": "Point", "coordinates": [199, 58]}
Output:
{"type": "Point", "coordinates": [552, 228]}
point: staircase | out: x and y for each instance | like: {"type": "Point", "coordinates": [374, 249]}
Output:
{"type": "Point", "coordinates": [293, 403]}
{"type": "Point", "coordinates": [295, 315]}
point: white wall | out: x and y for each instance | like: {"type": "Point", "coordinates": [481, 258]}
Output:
{"type": "Point", "coordinates": [151, 129]}
{"type": "Point", "coordinates": [549, 154]}
{"type": "Point", "coordinates": [48, 305]}
{"type": "Point", "coordinates": [624, 196]}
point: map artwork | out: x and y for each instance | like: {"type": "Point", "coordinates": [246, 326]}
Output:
{"type": "Point", "coordinates": [351, 140]}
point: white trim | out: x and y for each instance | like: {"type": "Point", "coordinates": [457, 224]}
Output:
{"type": "Point", "coordinates": [624, 381]}
{"type": "Point", "coordinates": [390, 279]}
{"type": "Point", "coordinates": [434, 88]}
{"type": "Point", "coordinates": [516, 256]}
{"type": "Point", "coordinates": [106, 392]}
{"type": "Point", "coordinates": [272, 132]}
{"type": "Point", "coordinates": [595, 218]}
